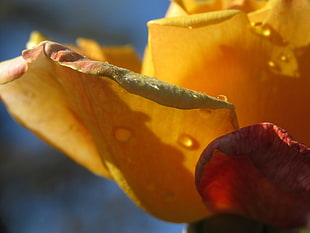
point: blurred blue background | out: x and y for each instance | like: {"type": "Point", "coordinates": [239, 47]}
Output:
{"type": "Point", "coordinates": [41, 189]}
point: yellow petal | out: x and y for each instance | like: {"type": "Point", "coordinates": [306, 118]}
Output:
{"type": "Point", "coordinates": [122, 56]}
{"type": "Point", "coordinates": [91, 49]}
{"type": "Point", "coordinates": [174, 37]}
{"type": "Point", "coordinates": [194, 6]}
{"type": "Point", "coordinates": [37, 101]}
{"type": "Point", "coordinates": [244, 5]}
{"type": "Point", "coordinates": [219, 53]}
{"type": "Point", "coordinates": [149, 133]}
{"type": "Point", "coordinates": [260, 15]}
{"type": "Point", "coordinates": [35, 38]}
{"type": "Point", "coordinates": [183, 47]}
{"type": "Point", "coordinates": [292, 20]}
{"type": "Point", "coordinates": [175, 10]}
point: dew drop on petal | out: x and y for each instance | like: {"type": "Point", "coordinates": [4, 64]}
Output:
{"type": "Point", "coordinates": [222, 97]}
{"type": "Point", "coordinates": [256, 24]}
{"type": "Point", "coordinates": [153, 85]}
{"type": "Point", "coordinates": [284, 58]}
{"type": "Point", "coordinates": [186, 141]}
{"type": "Point", "coordinates": [261, 29]}
{"type": "Point", "coordinates": [266, 32]}
{"type": "Point", "coordinates": [122, 134]}
{"type": "Point", "coordinates": [271, 64]}
{"type": "Point", "coordinates": [274, 66]}
{"type": "Point", "coordinates": [194, 95]}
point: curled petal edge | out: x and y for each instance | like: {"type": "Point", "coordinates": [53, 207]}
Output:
{"type": "Point", "coordinates": [170, 95]}
{"type": "Point", "coordinates": [81, 85]}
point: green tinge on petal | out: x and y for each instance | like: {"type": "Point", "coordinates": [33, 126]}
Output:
{"type": "Point", "coordinates": [146, 133]}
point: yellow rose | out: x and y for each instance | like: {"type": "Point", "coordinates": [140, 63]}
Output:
{"type": "Point", "coordinates": [257, 60]}
{"type": "Point", "coordinates": [119, 124]}
{"type": "Point", "coordinates": [147, 134]}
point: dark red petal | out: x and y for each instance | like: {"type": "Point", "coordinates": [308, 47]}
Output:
{"type": "Point", "coordinates": [260, 172]}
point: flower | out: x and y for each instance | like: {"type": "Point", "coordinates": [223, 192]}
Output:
{"type": "Point", "coordinates": [257, 60]}
{"type": "Point", "coordinates": [147, 134]}
{"type": "Point", "coordinates": [119, 124]}
{"type": "Point", "coordinates": [260, 172]}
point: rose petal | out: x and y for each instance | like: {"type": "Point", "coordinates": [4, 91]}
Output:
{"type": "Point", "coordinates": [35, 38]}
{"type": "Point", "coordinates": [189, 37]}
{"type": "Point", "coordinates": [194, 6]}
{"type": "Point", "coordinates": [37, 101]}
{"type": "Point", "coordinates": [175, 10]}
{"type": "Point", "coordinates": [244, 5]}
{"type": "Point", "coordinates": [288, 18]}
{"type": "Point", "coordinates": [12, 69]}
{"type": "Point", "coordinates": [122, 56]}
{"type": "Point", "coordinates": [145, 138]}
{"type": "Point", "coordinates": [220, 53]}
{"type": "Point", "coordinates": [260, 172]}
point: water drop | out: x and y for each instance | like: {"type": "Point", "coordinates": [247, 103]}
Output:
{"type": "Point", "coordinates": [274, 66]}
{"type": "Point", "coordinates": [194, 95]}
{"type": "Point", "coordinates": [190, 27]}
{"type": "Point", "coordinates": [222, 97]}
{"type": "Point", "coordinates": [255, 24]}
{"type": "Point", "coordinates": [271, 64]}
{"type": "Point", "coordinates": [155, 86]}
{"type": "Point", "coordinates": [266, 32]}
{"type": "Point", "coordinates": [122, 134]}
{"type": "Point", "coordinates": [284, 58]}
{"type": "Point", "coordinates": [186, 141]}
{"type": "Point", "coordinates": [261, 29]}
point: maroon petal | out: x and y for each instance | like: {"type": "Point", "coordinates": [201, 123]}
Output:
{"type": "Point", "coordinates": [260, 172]}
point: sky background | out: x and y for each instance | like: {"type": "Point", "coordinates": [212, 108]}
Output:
{"type": "Point", "coordinates": [42, 190]}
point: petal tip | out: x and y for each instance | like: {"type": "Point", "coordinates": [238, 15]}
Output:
{"type": "Point", "coordinates": [12, 69]}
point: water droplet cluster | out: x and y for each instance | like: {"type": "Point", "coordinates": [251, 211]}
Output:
{"type": "Point", "coordinates": [282, 59]}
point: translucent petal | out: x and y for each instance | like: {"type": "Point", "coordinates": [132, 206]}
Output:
{"type": "Point", "coordinates": [259, 172]}
{"type": "Point", "coordinates": [123, 56]}
{"type": "Point", "coordinates": [149, 133]}
{"type": "Point", "coordinates": [201, 6]}
{"type": "Point", "coordinates": [194, 6]}
{"type": "Point", "coordinates": [37, 101]}
{"type": "Point", "coordinates": [291, 19]}
{"type": "Point", "coordinates": [220, 53]}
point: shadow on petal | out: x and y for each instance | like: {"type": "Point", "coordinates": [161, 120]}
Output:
{"type": "Point", "coordinates": [145, 133]}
